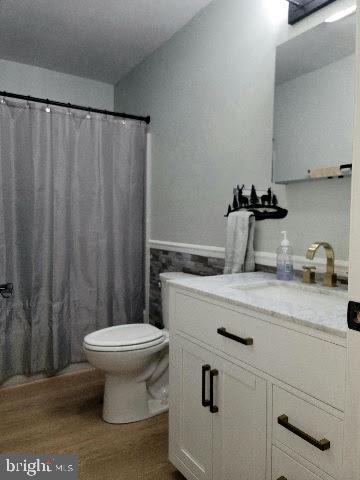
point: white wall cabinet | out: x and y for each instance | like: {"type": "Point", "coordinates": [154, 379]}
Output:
{"type": "Point", "coordinates": [229, 395]}
{"type": "Point", "coordinates": [218, 412]}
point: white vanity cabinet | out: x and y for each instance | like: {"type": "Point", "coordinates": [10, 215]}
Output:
{"type": "Point", "coordinates": [218, 414]}
{"type": "Point", "coordinates": [252, 398]}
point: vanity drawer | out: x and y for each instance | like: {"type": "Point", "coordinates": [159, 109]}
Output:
{"type": "Point", "coordinates": [308, 363]}
{"type": "Point", "coordinates": [296, 423]}
{"type": "Point", "coordinates": [285, 468]}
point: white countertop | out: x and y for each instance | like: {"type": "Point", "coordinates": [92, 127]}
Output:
{"type": "Point", "coordinates": [228, 288]}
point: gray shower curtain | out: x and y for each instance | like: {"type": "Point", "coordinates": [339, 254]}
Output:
{"type": "Point", "coordinates": [71, 232]}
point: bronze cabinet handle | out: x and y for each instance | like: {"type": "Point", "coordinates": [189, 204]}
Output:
{"type": "Point", "coordinates": [213, 408]}
{"type": "Point", "coordinates": [322, 444]}
{"type": "Point", "coordinates": [282, 478]}
{"type": "Point", "coordinates": [245, 341]}
{"type": "Point", "coordinates": [204, 401]}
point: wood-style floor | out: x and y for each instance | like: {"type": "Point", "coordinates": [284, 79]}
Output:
{"type": "Point", "coordinates": [63, 415]}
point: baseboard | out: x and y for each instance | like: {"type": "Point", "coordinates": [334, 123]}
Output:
{"type": "Point", "coordinates": [261, 258]}
{"type": "Point", "coordinates": [20, 380]}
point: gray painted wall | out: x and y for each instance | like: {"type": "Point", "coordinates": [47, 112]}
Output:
{"type": "Point", "coordinates": [40, 82]}
{"type": "Point", "coordinates": [210, 92]}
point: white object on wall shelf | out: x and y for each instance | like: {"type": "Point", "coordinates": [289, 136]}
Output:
{"type": "Point", "coordinates": [330, 172]}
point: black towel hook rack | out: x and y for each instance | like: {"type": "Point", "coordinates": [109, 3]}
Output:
{"type": "Point", "coordinates": [263, 208]}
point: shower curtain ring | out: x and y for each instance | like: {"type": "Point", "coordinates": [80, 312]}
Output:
{"type": "Point", "coordinates": [6, 290]}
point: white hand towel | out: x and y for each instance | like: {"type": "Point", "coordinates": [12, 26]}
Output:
{"type": "Point", "coordinates": [239, 251]}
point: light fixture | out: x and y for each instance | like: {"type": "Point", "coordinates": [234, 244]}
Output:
{"type": "Point", "coordinates": [342, 14]}
{"type": "Point", "coordinates": [277, 11]}
{"type": "Point", "coordinates": [47, 108]}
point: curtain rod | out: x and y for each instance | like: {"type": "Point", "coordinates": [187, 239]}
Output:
{"type": "Point", "coordinates": [46, 101]}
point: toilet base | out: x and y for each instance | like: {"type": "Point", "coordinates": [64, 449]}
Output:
{"type": "Point", "coordinates": [127, 401]}
{"type": "Point", "coordinates": [156, 407]}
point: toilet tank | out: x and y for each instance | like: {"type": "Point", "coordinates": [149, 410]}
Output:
{"type": "Point", "coordinates": [164, 278]}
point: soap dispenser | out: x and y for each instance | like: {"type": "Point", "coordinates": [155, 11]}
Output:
{"type": "Point", "coordinates": [285, 266]}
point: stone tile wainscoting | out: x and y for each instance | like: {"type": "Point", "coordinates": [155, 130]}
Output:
{"type": "Point", "coordinates": [172, 261]}
{"type": "Point", "coordinates": [166, 261]}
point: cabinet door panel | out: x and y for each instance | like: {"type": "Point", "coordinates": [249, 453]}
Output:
{"type": "Point", "coordinates": [190, 422]}
{"type": "Point", "coordinates": [239, 450]}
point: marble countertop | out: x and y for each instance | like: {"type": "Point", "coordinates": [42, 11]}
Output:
{"type": "Point", "coordinates": [238, 289]}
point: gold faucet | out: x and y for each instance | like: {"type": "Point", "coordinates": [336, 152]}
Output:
{"type": "Point", "coordinates": [330, 277]}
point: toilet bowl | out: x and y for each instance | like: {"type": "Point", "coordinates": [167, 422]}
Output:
{"type": "Point", "coordinates": [135, 359]}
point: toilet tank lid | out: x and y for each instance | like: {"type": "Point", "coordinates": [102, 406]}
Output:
{"type": "Point", "coordinates": [173, 275]}
{"type": "Point", "coordinates": [124, 335]}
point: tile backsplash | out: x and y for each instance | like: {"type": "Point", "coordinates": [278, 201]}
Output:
{"type": "Point", "coordinates": [166, 261]}
{"type": "Point", "coordinates": [169, 261]}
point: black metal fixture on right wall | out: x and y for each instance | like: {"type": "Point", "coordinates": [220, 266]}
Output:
{"type": "Point", "coordinates": [263, 207]}
{"type": "Point", "coordinates": [300, 9]}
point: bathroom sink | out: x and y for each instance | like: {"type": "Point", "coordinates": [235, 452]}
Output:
{"type": "Point", "coordinates": [296, 293]}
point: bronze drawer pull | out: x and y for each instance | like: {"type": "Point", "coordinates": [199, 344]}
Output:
{"type": "Point", "coordinates": [213, 408]}
{"type": "Point", "coordinates": [245, 341]}
{"type": "Point", "coordinates": [282, 478]}
{"type": "Point", "coordinates": [204, 401]}
{"type": "Point", "coordinates": [322, 444]}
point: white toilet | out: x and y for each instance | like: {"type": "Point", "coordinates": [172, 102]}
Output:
{"type": "Point", "coordinates": [135, 359]}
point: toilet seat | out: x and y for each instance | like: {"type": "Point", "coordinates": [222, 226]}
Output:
{"type": "Point", "coordinates": [125, 338]}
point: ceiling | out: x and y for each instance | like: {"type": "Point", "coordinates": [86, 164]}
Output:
{"type": "Point", "coordinates": [98, 39]}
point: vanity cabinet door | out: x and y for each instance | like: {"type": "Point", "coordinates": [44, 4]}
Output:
{"type": "Point", "coordinates": [239, 450]}
{"type": "Point", "coordinates": [191, 436]}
